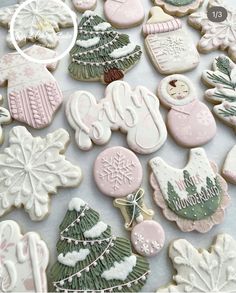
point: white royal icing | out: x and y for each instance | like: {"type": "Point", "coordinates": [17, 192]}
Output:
{"type": "Point", "coordinates": [123, 51]}
{"type": "Point", "coordinates": [88, 43]}
{"type": "Point", "coordinates": [120, 270]}
{"type": "Point", "coordinates": [96, 230]}
{"type": "Point", "coordinates": [76, 204]}
{"type": "Point", "coordinates": [102, 26]}
{"type": "Point", "coordinates": [89, 13]}
{"type": "Point", "coordinates": [71, 258]}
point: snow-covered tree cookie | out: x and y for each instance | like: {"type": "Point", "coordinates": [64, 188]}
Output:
{"type": "Point", "coordinates": [189, 121]}
{"type": "Point", "coordinates": [100, 53]}
{"type": "Point", "coordinates": [124, 13]}
{"type": "Point", "coordinates": [223, 79]}
{"type": "Point", "coordinates": [83, 5]}
{"type": "Point", "coordinates": [32, 168]}
{"type": "Point", "coordinates": [168, 43]}
{"type": "Point", "coordinates": [195, 197]}
{"type": "Point", "coordinates": [38, 21]}
{"type": "Point", "coordinates": [179, 7]}
{"type": "Point", "coordinates": [24, 260]}
{"type": "Point", "coordinates": [118, 174]}
{"type": "Point", "coordinates": [201, 270]}
{"type": "Point", "coordinates": [216, 35]}
{"type": "Point", "coordinates": [91, 259]}
{"type": "Point", "coordinates": [131, 111]}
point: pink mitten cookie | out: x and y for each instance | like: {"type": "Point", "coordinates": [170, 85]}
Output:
{"type": "Point", "coordinates": [34, 95]}
{"type": "Point", "coordinates": [24, 260]}
{"type": "Point", "coordinates": [118, 174]}
{"type": "Point", "coordinates": [83, 5]}
{"type": "Point", "coordinates": [124, 13]}
{"type": "Point", "coordinates": [195, 197]}
{"type": "Point", "coordinates": [189, 121]}
{"type": "Point", "coordinates": [168, 43]}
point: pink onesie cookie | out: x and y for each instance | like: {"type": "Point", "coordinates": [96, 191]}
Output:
{"type": "Point", "coordinates": [124, 13]}
{"type": "Point", "coordinates": [190, 122]}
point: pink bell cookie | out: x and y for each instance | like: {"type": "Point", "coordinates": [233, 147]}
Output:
{"type": "Point", "coordinates": [124, 13]}
{"type": "Point", "coordinates": [148, 238]}
{"type": "Point", "coordinates": [117, 172]}
{"type": "Point", "coordinates": [189, 121]}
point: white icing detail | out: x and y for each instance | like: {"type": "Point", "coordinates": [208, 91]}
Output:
{"type": "Point", "coordinates": [71, 258]}
{"type": "Point", "coordinates": [8, 271]}
{"type": "Point", "coordinates": [120, 270]}
{"type": "Point", "coordinates": [123, 51]}
{"type": "Point", "coordinates": [76, 204]}
{"type": "Point", "coordinates": [89, 13]}
{"type": "Point", "coordinates": [102, 26]}
{"type": "Point", "coordinates": [96, 230]}
{"type": "Point", "coordinates": [88, 43]}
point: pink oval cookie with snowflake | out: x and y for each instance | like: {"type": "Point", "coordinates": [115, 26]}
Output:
{"type": "Point", "coordinates": [117, 172]}
{"type": "Point", "coordinates": [148, 238]}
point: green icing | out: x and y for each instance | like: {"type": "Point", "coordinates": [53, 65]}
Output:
{"type": "Point", "coordinates": [179, 2]}
{"type": "Point", "coordinates": [113, 39]}
{"type": "Point", "coordinates": [92, 280]}
{"type": "Point", "coordinates": [198, 205]}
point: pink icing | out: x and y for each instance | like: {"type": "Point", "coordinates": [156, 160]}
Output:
{"type": "Point", "coordinates": [191, 125]}
{"type": "Point", "coordinates": [124, 13]}
{"type": "Point", "coordinates": [148, 238]}
{"type": "Point", "coordinates": [117, 172]}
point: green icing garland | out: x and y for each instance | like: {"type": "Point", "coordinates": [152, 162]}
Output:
{"type": "Point", "coordinates": [91, 280]}
{"type": "Point", "coordinates": [191, 209]}
{"type": "Point", "coordinates": [179, 2]}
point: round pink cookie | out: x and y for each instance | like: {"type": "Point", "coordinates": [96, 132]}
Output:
{"type": "Point", "coordinates": [117, 172]}
{"type": "Point", "coordinates": [148, 238]}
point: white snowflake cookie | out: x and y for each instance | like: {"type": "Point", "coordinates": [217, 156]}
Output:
{"type": "Point", "coordinates": [24, 260]}
{"type": "Point", "coordinates": [216, 35]}
{"type": "Point", "coordinates": [212, 270]}
{"type": "Point", "coordinates": [31, 168]}
{"type": "Point", "coordinates": [38, 21]}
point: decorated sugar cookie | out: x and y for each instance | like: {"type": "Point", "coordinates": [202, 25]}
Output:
{"type": "Point", "coordinates": [34, 95]}
{"type": "Point", "coordinates": [32, 168]}
{"type": "Point", "coordinates": [118, 174]}
{"type": "Point", "coordinates": [124, 13]}
{"type": "Point", "coordinates": [83, 5]}
{"type": "Point", "coordinates": [216, 35]}
{"type": "Point", "coordinates": [24, 260]}
{"type": "Point", "coordinates": [229, 168]}
{"type": "Point", "coordinates": [195, 197]}
{"type": "Point", "coordinates": [131, 111]}
{"type": "Point", "coordinates": [168, 44]}
{"type": "Point", "coordinates": [38, 21]}
{"type": "Point", "coordinates": [222, 81]}
{"type": "Point", "coordinates": [100, 53]}
{"type": "Point", "coordinates": [201, 270]}
{"type": "Point", "coordinates": [5, 118]}
{"type": "Point", "coordinates": [91, 259]}
{"type": "Point", "coordinates": [189, 121]}
{"type": "Point", "coordinates": [179, 7]}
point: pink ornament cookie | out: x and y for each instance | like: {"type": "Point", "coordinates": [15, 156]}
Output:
{"type": "Point", "coordinates": [34, 95]}
{"type": "Point", "coordinates": [117, 172]}
{"type": "Point", "coordinates": [124, 13]}
{"type": "Point", "coordinates": [189, 121]}
{"type": "Point", "coordinates": [83, 5]}
{"type": "Point", "coordinates": [148, 238]}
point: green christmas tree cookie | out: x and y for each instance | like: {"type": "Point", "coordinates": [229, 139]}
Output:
{"type": "Point", "coordinates": [100, 53]}
{"type": "Point", "coordinates": [90, 259]}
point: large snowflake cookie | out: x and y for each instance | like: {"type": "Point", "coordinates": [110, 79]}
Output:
{"type": "Point", "coordinates": [168, 43]}
{"type": "Point", "coordinates": [229, 168]}
{"type": "Point", "coordinates": [200, 270]}
{"type": "Point", "coordinates": [100, 53]}
{"type": "Point", "coordinates": [38, 21]}
{"type": "Point", "coordinates": [31, 168]}
{"type": "Point", "coordinates": [131, 111]}
{"type": "Point", "coordinates": [195, 197]}
{"type": "Point", "coordinates": [91, 259]}
{"type": "Point", "coordinates": [83, 5]}
{"type": "Point", "coordinates": [179, 7]}
{"type": "Point", "coordinates": [189, 121]}
{"type": "Point", "coordinates": [222, 78]}
{"type": "Point", "coordinates": [216, 35]}
{"type": "Point", "coordinates": [24, 260]}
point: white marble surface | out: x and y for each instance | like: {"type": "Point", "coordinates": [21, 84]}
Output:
{"type": "Point", "coordinates": [142, 74]}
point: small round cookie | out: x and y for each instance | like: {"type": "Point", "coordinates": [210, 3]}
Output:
{"type": "Point", "coordinates": [124, 13]}
{"type": "Point", "coordinates": [148, 238]}
{"type": "Point", "coordinates": [83, 5]}
{"type": "Point", "coordinates": [117, 172]}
